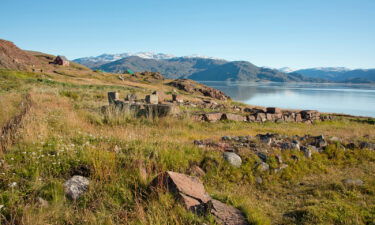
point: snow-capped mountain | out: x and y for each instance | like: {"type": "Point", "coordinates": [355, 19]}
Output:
{"type": "Point", "coordinates": [102, 59]}
{"type": "Point", "coordinates": [95, 61]}
{"type": "Point", "coordinates": [286, 69]}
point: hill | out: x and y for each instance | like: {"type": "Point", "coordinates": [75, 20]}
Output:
{"type": "Point", "coordinates": [245, 71]}
{"type": "Point", "coordinates": [11, 57]}
{"type": "Point", "coordinates": [340, 74]}
{"type": "Point", "coordinates": [200, 68]}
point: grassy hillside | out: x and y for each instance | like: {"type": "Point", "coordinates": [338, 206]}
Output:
{"type": "Point", "coordinates": [66, 133]}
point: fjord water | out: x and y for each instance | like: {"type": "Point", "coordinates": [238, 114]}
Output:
{"type": "Point", "coordinates": [353, 99]}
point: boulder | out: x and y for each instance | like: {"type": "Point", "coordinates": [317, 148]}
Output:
{"type": "Point", "coordinates": [76, 186]}
{"type": "Point", "coordinates": [261, 117]}
{"type": "Point", "coordinates": [161, 95]}
{"type": "Point", "coordinates": [195, 170]}
{"type": "Point", "coordinates": [251, 118]}
{"type": "Point", "coordinates": [152, 99]}
{"type": "Point", "coordinates": [367, 145]}
{"type": "Point", "coordinates": [131, 98]}
{"type": "Point", "coordinates": [310, 115]}
{"type": "Point", "coordinates": [306, 151]}
{"type": "Point", "coordinates": [212, 117]}
{"type": "Point", "coordinates": [233, 117]}
{"type": "Point", "coordinates": [298, 117]}
{"type": "Point", "coordinates": [232, 158]}
{"type": "Point", "coordinates": [188, 189]}
{"type": "Point", "coordinates": [263, 167]}
{"type": "Point", "coordinates": [227, 215]}
{"type": "Point", "coordinates": [177, 98]}
{"type": "Point", "coordinates": [353, 182]}
{"type": "Point", "coordinates": [113, 97]}
{"type": "Point", "coordinates": [273, 110]}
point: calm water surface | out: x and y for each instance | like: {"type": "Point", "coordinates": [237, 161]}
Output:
{"type": "Point", "coordinates": [336, 98]}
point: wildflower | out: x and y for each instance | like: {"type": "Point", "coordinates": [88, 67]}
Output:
{"type": "Point", "coordinates": [13, 184]}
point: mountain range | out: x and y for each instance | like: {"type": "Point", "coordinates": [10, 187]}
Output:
{"type": "Point", "coordinates": [339, 74]}
{"type": "Point", "coordinates": [192, 67]}
{"type": "Point", "coordinates": [212, 69]}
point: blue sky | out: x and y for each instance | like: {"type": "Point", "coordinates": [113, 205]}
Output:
{"type": "Point", "coordinates": [274, 33]}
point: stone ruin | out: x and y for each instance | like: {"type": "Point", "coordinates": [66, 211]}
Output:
{"type": "Point", "coordinates": [262, 115]}
{"type": "Point", "coordinates": [152, 106]}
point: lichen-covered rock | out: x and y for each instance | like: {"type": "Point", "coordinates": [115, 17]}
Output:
{"type": "Point", "coordinates": [232, 158]}
{"type": "Point", "coordinates": [76, 186]}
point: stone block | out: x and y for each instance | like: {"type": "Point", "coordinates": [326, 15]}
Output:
{"type": "Point", "coordinates": [152, 99]}
{"type": "Point", "coordinates": [274, 110]}
{"type": "Point", "coordinates": [112, 97]}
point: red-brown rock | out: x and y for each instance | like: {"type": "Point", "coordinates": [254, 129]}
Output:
{"type": "Point", "coordinates": [227, 215]}
{"type": "Point", "coordinates": [212, 117]}
{"type": "Point", "coordinates": [233, 117]}
{"type": "Point", "coordinates": [188, 189]}
{"type": "Point", "coordinates": [274, 110]}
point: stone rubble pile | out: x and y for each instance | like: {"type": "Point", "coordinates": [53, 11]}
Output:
{"type": "Point", "coordinates": [264, 146]}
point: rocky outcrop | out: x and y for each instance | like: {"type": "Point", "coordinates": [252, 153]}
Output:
{"type": "Point", "coordinates": [192, 194]}
{"type": "Point", "coordinates": [192, 87]}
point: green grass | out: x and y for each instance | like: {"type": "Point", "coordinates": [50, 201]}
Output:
{"type": "Point", "coordinates": [66, 130]}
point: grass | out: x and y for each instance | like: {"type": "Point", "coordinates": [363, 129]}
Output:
{"type": "Point", "coordinates": [66, 131]}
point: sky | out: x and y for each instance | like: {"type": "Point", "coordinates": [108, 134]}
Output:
{"type": "Point", "coordinates": [272, 33]}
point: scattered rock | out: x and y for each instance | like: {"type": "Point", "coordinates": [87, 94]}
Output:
{"type": "Point", "coordinates": [353, 182]}
{"type": "Point", "coordinates": [263, 167]}
{"type": "Point", "coordinates": [42, 203]}
{"type": "Point", "coordinates": [196, 171]}
{"type": "Point", "coordinates": [274, 110]}
{"type": "Point", "coordinates": [262, 156]}
{"type": "Point", "coordinates": [367, 145]}
{"type": "Point", "coordinates": [259, 180]}
{"type": "Point", "coordinates": [76, 186]}
{"type": "Point", "coordinates": [232, 158]}
{"type": "Point", "coordinates": [152, 99]}
{"type": "Point", "coordinates": [233, 117]}
{"type": "Point", "coordinates": [306, 151]}
{"type": "Point", "coordinates": [189, 190]}
{"type": "Point", "coordinates": [227, 215]}
{"type": "Point", "coordinates": [212, 117]}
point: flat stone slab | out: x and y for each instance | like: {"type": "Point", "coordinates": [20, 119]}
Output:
{"type": "Point", "coordinates": [187, 188]}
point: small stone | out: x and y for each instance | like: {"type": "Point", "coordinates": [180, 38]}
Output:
{"type": "Point", "coordinates": [76, 186]}
{"type": "Point", "coordinates": [152, 99]}
{"type": "Point", "coordinates": [232, 158]}
{"type": "Point", "coordinates": [262, 167]}
{"type": "Point", "coordinates": [259, 180]}
{"type": "Point", "coordinates": [196, 171]}
{"type": "Point", "coordinates": [262, 156]}
{"type": "Point", "coordinates": [307, 152]}
{"type": "Point", "coordinates": [42, 203]}
{"type": "Point", "coordinates": [226, 138]}
{"type": "Point", "coordinates": [279, 159]}
{"type": "Point", "coordinates": [353, 182]}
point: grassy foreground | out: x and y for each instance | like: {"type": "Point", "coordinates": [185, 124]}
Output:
{"type": "Point", "coordinates": [65, 133]}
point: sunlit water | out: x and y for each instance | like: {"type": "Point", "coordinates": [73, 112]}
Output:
{"type": "Point", "coordinates": [336, 98]}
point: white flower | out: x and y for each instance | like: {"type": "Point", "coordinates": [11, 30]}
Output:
{"type": "Point", "coordinates": [13, 184]}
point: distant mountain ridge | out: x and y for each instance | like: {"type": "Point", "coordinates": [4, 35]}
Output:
{"type": "Point", "coordinates": [199, 68]}
{"type": "Point", "coordinates": [208, 68]}
{"type": "Point", "coordinates": [340, 74]}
